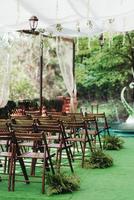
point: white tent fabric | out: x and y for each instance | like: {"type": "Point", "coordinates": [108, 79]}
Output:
{"type": "Point", "coordinates": [68, 18]}
{"type": "Point", "coordinates": [77, 18]}
{"type": "Point", "coordinates": [5, 63]}
{"type": "Point", "coordinates": [64, 51]}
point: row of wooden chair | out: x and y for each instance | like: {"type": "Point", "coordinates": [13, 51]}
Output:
{"type": "Point", "coordinates": [100, 117]}
{"type": "Point", "coordinates": [18, 136]}
{"type": "Point", "coordinates": [36, 138]}
{"type": "Point", "coordinates": [93, 128]}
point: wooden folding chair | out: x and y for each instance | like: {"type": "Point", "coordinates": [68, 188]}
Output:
{"type": "Point", "coordinates": [4, 128]}
{"type": "Point", "coordinates": [78, 134]}
{"type": "Point", "coordinates": [41, 143]}
{"type": "Point", "coordinates": [56, 137]}
{"type": "Point", "coordinates": [102, 123]}
{"type": "Point", "coordinates": [93, 129]}
{"type": "Point", "coordinates": [11, 154]}
{"type": "Point", "coordinates": [8, 153]}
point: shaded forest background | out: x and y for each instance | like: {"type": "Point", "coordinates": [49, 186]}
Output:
{"type": "Point", "coordinates": [102, 70]}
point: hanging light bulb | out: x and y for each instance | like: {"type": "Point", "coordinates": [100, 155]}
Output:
{"type": "Point", "coordinates": [101, 40]}
{"type": "Point", "coordinates": [78, 27]}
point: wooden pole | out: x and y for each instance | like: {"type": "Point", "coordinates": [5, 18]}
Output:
{"type": "Point", "coordinates": [73, 59]}
{"type": "Point", "coordinates": [41, 73]}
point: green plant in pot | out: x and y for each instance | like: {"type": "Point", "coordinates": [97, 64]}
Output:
{"type": "Point", "coordinates": [112, 142]}
{"type": "Point", "coordinates": [62, 183]}
{"type": "Point", "coordinates": [99, 159]}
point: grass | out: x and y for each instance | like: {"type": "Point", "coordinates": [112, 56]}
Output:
{"type": "Point", "coordinates": [111, 183]}
{"type": "Point", "coordinates": [114, 109]}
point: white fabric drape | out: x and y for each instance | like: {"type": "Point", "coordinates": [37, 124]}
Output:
{"type": "Point", "coordinates": [64, 50]}
{"type": "Point", "coordinates": [5, 63]}
{"type": "Point", "coordinates": [14, 15]}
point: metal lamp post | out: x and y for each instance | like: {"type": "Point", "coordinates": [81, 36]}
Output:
{"type": "Point", "coordinates": [33, 22]}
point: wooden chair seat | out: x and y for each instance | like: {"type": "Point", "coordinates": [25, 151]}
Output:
{"type": "Point", "coordinates": [58, 146]}
{"type": "Point", "coordinates": [3, 142]}
{"type": "Point", "coordinates": [26, 144]}
{"type": "Point", "coordinates": [5, 154]}
{"type": "Point", "coordinates": [77, 139]}
{"type": "Point", "coordinates": [92, 132]}
{"type": "Point", "coordinates": [37, 155]}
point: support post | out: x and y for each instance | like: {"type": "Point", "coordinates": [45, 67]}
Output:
{"type": "Point", "coordinates": [73, 59]}
{"type": "Point", "coordinates": [41, 73]}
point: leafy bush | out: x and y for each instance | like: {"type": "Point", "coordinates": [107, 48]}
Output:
{"type": "Point", "coordinates": [8, 109]}
{"type": "Point", "coordinates": [62, 183]}
{"type": "Point", "coordinates": [112, 143]}
{"type": "Point", "coordinates": [53, 104]}
{"type": "Point", "coordinates": [11, 106]}
{"type": "Point", "coordinates": [28, 104]}
{"type": "Point", "coordinates": [98, 159]}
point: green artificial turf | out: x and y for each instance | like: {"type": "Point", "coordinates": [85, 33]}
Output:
{"type": "Point", "coordinates": [115, 183]}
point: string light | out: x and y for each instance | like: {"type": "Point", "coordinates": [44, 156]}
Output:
{"type": "Point", "coordinates": [58, 26]}
{"type": "Point", "coordinates": [89, 43]}
{"type": "Point", "coordinates": [77, 45]}
{"type": "Point", "coordinates": [124, 38]}
{"type": "Point", "coordinates": [78, 26]}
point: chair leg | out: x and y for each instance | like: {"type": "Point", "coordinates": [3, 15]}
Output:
{"type": "Point", "coordinates": [50, 161]}
{"type": "Point", "coordinates": [5, 165]}
{"type": "Point", "coordinates": [43, 180]}
{"type": "Point", "coordinates": [71, 154]}
{"type": "Point", "coordinates": [33, 163]}
{"type": "Point", "coordinates": [100, 141]}
{"type": "Point", "coordinates": [44, 172]}
{"type": "Point", "coordinates": [10, 174]}
{"type": "Point", "coordinates": [24, 170]}
{"type": "Point", "coordinates": [89, 142]}
{"type": "Point", "coordinates": [83, 154]}
{"type": "Point", "coordinates": [58, 161]}
{"type": "Point", "coordinates": [69, 159]}
{"type": "Point", "coordinates": [13, 175]}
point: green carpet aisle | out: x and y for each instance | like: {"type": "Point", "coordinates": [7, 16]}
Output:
{"type": "Point", "coordinates": [113, 183]}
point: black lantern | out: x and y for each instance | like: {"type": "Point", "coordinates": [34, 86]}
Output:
{"type": "Point", "coordinates": [33, 22]}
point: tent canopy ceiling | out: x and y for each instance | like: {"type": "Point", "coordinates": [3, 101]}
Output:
{"type": "Point", "coordinates": [69, 17]}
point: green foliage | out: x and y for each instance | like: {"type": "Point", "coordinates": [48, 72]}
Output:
{"type": "Point", "coordinates": [98, 159]}
{"type": "Point", "coordinates": [62, 183]}
{"type": "Point", "coordinates": [8, 109]}
{"type": "Point", "coordinates": [22, 89]}
{"type": "Point", "coordinates": [105, 70]}
{"type": "Point", "coordinates": [25, 68]}
{"type": "Point", "coordinates": [55, 104]}
{"type": "Point", "coordinates": [114, 109]}
{"type": "Point", "coordinates": [28, 104]}
{"type": "Point", "coordinates": [4, 113]}
{"type": "Point", "coordinates": [112, 143]}
{"type": "Point", "coordinates": [11, 106]}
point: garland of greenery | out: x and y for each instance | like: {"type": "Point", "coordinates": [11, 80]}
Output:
{"type": "Point", "coordinates": [112, 143]}
{"type": "Point", "coordinates": [62, 183]}
{"type": "Point", "coordinates": [98, 159]}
